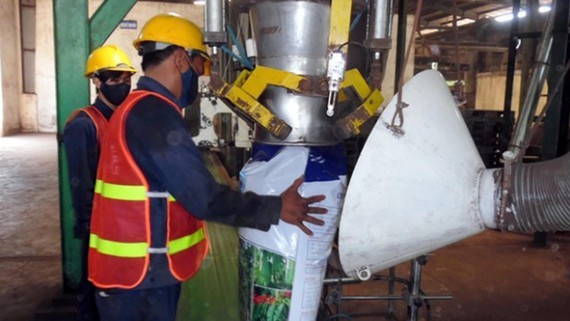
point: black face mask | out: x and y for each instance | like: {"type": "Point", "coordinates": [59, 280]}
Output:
{"type": "Point", "coordinates": [115, 94]}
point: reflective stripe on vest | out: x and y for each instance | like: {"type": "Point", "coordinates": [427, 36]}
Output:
{"type": "Point", "coordinates": [126, 192]}
{"type": "Point", "coordinates": [141, 249]}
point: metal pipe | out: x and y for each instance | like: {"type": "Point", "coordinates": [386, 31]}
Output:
{"type": "Point", "coordinates": [214, 16]}
{"type": "Point", "coordinates": [413, 296]}
{"type": "Point", "coordinates": [214, 21]}
{"type": "Point", "coordinates": [379, 39]}
{"type": "Point", "coordinates": [380, 23]}
{"type": "Point", "coordinates": [536, 84]}
{"type": "Point", "coordinates": [514, 155]}
{"type": "Point", "coordinates": [303, 26]}
{"type": "Point", "coordinates": [401, 43]}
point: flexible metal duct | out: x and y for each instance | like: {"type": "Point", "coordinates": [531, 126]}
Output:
{"type": "Point", "coordinates": [540, 199]}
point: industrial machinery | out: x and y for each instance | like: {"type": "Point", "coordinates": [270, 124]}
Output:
{"type": "Point", "coordinates": [282, 66]}
{"type": "Point", "coordinates": [291, 93]}
{"type": "Point", "coordinates": [294, 86]}
{"type": "Point", "coordinates": [303, 74]}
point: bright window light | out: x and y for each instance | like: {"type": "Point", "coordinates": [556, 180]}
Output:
{"type": "Point", "coordinates": [461, 22]}
{"type": "Point", "coordinates": [199, 2]}
{"type": "Point", "coordinates": [504, 18]}
{"type": "Point", "coordinates": [543, 9]}
{"type": "Point", "coordinates": [509, 16]}
{"type": "Point", "coordinates": [522, 14]}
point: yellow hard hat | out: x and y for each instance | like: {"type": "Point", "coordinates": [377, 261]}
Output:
{"type": "Point", "coordinates": [108, 57]}
{"type": "Point", "coordinates": [172, 29]}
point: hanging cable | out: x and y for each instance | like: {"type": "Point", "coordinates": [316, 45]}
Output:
{"type": "Point", "coordinates": [400, 105]}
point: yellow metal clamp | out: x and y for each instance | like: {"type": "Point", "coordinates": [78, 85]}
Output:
{"type": "Point", "coordinates": [247, 88]}
{"type": "Point", "coordinates": [371, 101]}
{"type": "Point", "coordinates": [262, 76]}
{"type": "Point", "coordinates": [249, 85]}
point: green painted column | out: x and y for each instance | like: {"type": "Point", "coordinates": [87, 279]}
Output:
{"type": "Point", "coordinates": [106, 19]}
{"type": "Point", "coordinates": [75, 36]}
{"type": "Point", "coordinates": [71, 38]}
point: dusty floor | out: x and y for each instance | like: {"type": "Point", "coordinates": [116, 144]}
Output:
{"type": "Point", "coordinates": [493, 276]}
{"type": "Point", "coordinates": [30, 264]}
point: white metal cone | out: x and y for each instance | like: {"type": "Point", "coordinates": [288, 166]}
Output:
{"type": "Point", "coordinates": [412, 194]}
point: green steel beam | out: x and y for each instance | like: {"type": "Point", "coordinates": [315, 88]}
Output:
{"type": "Point", "coordinates": [107, 18]}
{"type": "Point", "coordinates": [75, 36]}
{"type": "Point", "coordinates": [71, 38]}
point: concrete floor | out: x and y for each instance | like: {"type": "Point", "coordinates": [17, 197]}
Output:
{"type": "Point", "coordinates": [30, 255]}
{"type": "Point", "coordinates": [493, 276]}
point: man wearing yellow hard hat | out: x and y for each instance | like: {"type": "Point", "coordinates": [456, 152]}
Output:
{"type": "Point", "coordinates": [110, 71]}
{"type": "Point", "coordinates": [153, 189]}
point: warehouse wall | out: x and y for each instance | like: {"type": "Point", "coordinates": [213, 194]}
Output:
{"type": "Point", "coordinates": [10, 68]}
{"type": "Point", "coordinates": [45, 59]}
{"type": "Point", "coordinates": [45, 103]}
{"type": "Point", "coordinates": [491, 87]}
{"type": "Point", "coordinates": [37, 112]}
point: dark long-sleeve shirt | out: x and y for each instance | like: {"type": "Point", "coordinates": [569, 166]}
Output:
{"type": "Point", "coordinates": [161, 144]}
{"type": "Point", "coordinates": [80, 140]}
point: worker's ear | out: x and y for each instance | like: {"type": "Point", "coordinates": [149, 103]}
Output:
{"type": "Point", "coordinates": [96, 82]}
{"type": "Point", "coordinates": [180, 59]}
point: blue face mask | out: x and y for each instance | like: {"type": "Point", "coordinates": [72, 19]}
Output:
{"type": "Point", "coordinates": [189, 87]}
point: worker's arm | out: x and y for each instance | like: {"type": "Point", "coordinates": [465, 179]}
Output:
{"type": "Point", "coordinates": [80, 140]}
{"type": "Point", "coordinates": [162, 146]}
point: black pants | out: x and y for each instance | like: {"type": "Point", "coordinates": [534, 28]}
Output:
{"type": "Point", "coordinates": [153, 304]}
{"type": "Point", "coordinates": [86, 306]}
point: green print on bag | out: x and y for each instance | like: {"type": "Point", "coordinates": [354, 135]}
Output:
{"type": "Point", "coordinates": [266, 283]}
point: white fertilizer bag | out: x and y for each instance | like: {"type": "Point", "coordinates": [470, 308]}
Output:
{"type": "Point", "coordinates": [282, 270]}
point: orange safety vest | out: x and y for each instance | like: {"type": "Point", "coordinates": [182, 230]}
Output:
{"type": "Point", "coordinates": [96, 116]}
{"type": "Point", "coordinates": [120, 240]}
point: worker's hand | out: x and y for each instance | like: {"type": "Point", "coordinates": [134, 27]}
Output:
{"type": "Point", "coordinates": [295, 208]}
{"type": "Point", "coordinates": [235, 184]}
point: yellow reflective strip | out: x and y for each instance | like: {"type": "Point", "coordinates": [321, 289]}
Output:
{"type": "Point", "coordinates": [121, 192]}
{"type": "Point", "coordinates": [185, 242]}
{"type": "Point", "coordinates": [120, 249]}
